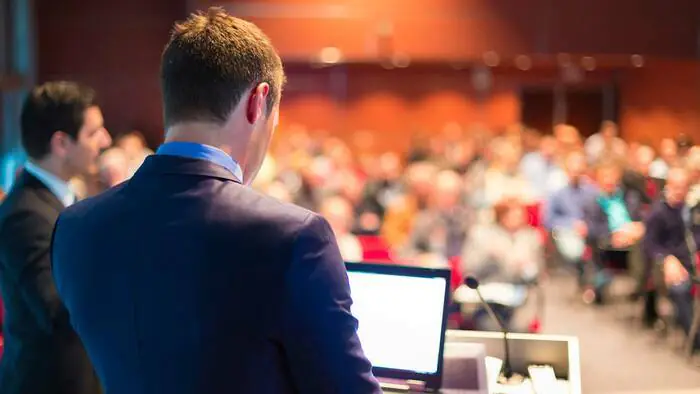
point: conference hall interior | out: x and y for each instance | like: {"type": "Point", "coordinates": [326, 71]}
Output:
{"type": "Point", "coordinates": [449, 134]}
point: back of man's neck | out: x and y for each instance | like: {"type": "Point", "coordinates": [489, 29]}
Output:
{"type": "Point", "coordinates": [53, 169]}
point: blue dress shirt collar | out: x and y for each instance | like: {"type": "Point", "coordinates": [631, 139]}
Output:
{"type": "Point", "coordinates": [209, 153]}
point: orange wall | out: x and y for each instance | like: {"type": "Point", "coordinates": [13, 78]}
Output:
{"type": "Point", "coordinates": [459, 29]}
{"type": "Point", "coordinates": [395, 104]}
{"type": "Point", "coordinates": [661, 100]}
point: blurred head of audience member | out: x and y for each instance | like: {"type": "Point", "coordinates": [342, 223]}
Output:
{"type": "Point", "coordinates": [505, 155]}
{"type": "Point", "coordinates": [2, 195]}
{"type": "Point", "coordinates": [134, 146]}
{"type": "Point", "coordinates": [642, 159]}
{"type": "Point", "coordinates": [114, 167]}
{"type": "Point", "coordinates": [447, 194]}
{"type": "Point", "coordinates": [420, 180]}
{"type": "Point", "coordinates": [510, 214]}
{"type": "Point", "coordinates": [676, 189]}
{"type": "Point", "coordinates": [608, 130]}
{"type": "Point", "coordinates": [63, 130]}
{"type": "Point", "coordinates": [339, 214]}
{"type": "Point", "coordinates": [608, 175]}
{"type": "Point", "coordinates": [231, 110]}
{"type": "Point", "coordinates": [668, 151]}
{"type": "Point", "coordinates": [568, 138]}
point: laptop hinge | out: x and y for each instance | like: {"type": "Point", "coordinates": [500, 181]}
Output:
{"type": "Point", "coordinates": [402, 385]}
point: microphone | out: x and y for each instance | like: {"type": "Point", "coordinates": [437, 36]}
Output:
{"type": "Point", "coordinates": [473, 284]}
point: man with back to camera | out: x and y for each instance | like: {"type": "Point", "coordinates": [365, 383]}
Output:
{"type": "Point", "coordinates": [62, 133]}
{"type": "Point", "coordinates": [190, 282]}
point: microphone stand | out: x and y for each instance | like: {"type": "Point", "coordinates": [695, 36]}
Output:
{"type": "Point", "coordinates": [507, 370]}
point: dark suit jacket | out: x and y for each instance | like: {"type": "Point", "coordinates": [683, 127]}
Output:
{"type": "Point", "coordinates": [42, 354]}
{"type": "Point", "coordinates": [192, 283]}
{"type": "Point", "coordinates": [638, 182]}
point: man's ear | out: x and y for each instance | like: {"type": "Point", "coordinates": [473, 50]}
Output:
{"type": "Point", "coordinates": [257, 102]}
{"type": "Point", "coordinates": [58, 144]}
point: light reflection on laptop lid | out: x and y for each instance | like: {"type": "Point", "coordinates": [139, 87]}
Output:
{"type": "Point", "coordinates": [402, 318]}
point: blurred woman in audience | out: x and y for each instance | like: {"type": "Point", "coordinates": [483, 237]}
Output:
{"type": "Point", "coordinates": [507, 251]}
{"type": "Point", "coordinates": [114, 167]}
{"type": "Point", "coordinates": [339, 214]}
{"type": "Point", "coordinates": [136, 149]}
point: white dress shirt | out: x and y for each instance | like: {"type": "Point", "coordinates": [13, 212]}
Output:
{"type": "Point", "coordinates": [60, 188]}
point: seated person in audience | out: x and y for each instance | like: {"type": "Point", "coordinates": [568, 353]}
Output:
{"type": "Point", "coordinates": [564, 215]}
{"type": "Point", "coordinates": [605, 143]}
{"type": "Point", "coordinates": [614, 221]}
{"type": "Point", "coordinates": [339, 214]}
{"type": "Point", "coordinates": [503, 178]}
{"type": "Point", "coordinates": [671, 239]}
{"type": "Point", "coordinates": [668, 157]}
{"type": "Point", "coordinates": [442, 227]}
{"type": "Point", "coordinates": [507, 251]}
{"type": "Point", "coordinates": [114, 167]}
{"type": "Point", "coordinates": [136, 149]}
{"type": "Point", "coordinates": [637, 176]}
{"type": "Point", "coordinates": [398, 221]}
{"type": "Point", "coordinates": [542, 170]}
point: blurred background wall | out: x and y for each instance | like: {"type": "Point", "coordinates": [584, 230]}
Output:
{"type": "Point", "coordinates": [401, 67]}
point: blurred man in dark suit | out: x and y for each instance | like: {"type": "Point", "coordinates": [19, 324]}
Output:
{"type": "Point", "coordinates": [63, 133]}
{"type": "Point", "coordinates": [189, 281]}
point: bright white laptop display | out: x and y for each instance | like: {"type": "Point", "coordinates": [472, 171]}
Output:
{"type": "Point", "coordinates": [402, 316]}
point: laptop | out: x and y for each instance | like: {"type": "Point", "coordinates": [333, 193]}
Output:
{"type": "Point", "coordinates": [402, 315]}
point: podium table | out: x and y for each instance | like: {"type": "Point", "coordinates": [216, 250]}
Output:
{"type": "Point", "coordinates": [558, 351]}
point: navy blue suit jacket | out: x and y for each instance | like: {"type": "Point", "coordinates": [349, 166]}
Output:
{"type": "Point", "coordinates": [181, 280]}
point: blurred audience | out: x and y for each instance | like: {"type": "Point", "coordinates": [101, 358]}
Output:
{"type": "Point", "coordinates": [136, 149]}
{"type": "Point", "coordinates": [471, 197]}
{"type": "Point", "coordinates": [339, 214]}
{"type": "Point", "coordinates": [114, 167]}
{"type": "Point", "coordinates": [605, 143]}
{"type": "Point", "coordinates": [668, 157]}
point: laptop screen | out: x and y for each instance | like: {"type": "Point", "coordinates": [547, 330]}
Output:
{"type": "Point", "coordinates": [401, 314]}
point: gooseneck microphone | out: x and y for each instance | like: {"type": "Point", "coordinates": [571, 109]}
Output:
{"type": "Point", "coordinates": [473, 284]}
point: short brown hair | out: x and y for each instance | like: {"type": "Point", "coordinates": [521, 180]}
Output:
{"type": "Point", "coordinates": [501, 208]}
{"type": "Point", "coordinates": [211, 60]}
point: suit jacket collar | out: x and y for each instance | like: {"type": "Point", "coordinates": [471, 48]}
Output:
{"type": "Point", "coordinates": [28, 181]}
{"type": "Point", "coordinates": [175, 165]}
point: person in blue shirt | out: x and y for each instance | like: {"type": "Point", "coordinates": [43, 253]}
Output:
{"type": "Point", "coordinates": [213, 288]}
{"type": "Point", "coordinates": [564, 213]}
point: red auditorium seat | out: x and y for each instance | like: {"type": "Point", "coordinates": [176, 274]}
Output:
{"type": "Point", "coordinates": [534, 214]}
{"type": "Point", "coordinates": [375, 249]}
{"type": "Point", "coordinates": [456, 276]}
